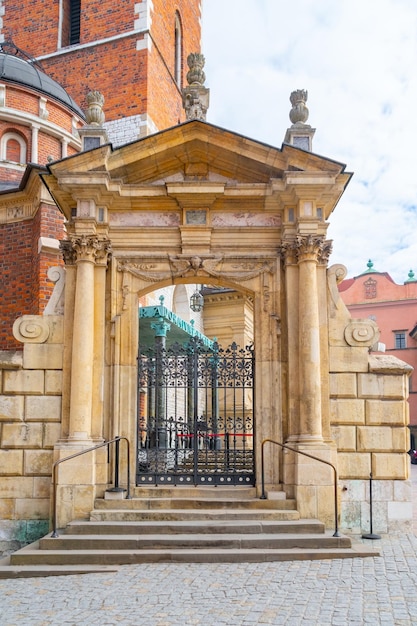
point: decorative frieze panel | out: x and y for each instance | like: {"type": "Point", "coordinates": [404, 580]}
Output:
{"type": "Point", "coordinates": [229, 268]}
{"type": "Point", "coordinates": [245, 218]}
{"type": "Point", "coordinates": [145, 218]}
{"type": "Point", "coordinates": [16, 212]}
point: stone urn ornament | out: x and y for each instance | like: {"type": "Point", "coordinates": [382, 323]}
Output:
{"type": "Point", "coordinates": [299, 112]}
{"type": "Point", "coordinates": [94, 114]}
{"type": "Point", "coordinates": [196, 75]}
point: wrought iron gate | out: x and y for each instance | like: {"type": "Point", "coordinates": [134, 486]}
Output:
{"type": "Point", "coordinates": [195, 420]}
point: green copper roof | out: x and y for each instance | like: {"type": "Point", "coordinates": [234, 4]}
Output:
{"type": "Point", "coordinates": [177, 330]}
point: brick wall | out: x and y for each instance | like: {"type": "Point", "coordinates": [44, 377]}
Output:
{"type": "Point", "coordinates": [133, 81]}
{"type": "Point", "coordinates": [26, 288]}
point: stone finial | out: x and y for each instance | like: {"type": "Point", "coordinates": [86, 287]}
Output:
{"type": "Point", "coordinates": [94, 113]}
{"type": "Point", "coordinates": [195, 97]}
{"type": "Point", "coordinates": [299, 112]}
{"type": "Point", "coordinates": [196, 75]}
{"type": "Point", "coordinates": [299, 134]}
{"type": "Point", "coordinates": [411, 277]}
{"type": "Point", "coordinates": [93, 134]}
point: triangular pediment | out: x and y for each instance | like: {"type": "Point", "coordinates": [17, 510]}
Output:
{"type": "Point", "coordinates": [197, 149]}
{"type": "Point", "coordinates": [193, 152]}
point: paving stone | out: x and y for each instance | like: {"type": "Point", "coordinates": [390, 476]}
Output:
{"type": "Point", "coordinates": [375, 590]}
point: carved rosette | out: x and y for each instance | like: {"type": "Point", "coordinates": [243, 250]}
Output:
{"type": "Point", "coordinates": [363, 333]}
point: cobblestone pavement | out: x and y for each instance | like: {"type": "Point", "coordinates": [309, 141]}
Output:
{"type": "Point", "coordinates": [376, 591]}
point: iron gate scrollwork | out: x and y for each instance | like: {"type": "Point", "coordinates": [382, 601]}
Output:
{"type": "Point", "coordinates": [195, 420]}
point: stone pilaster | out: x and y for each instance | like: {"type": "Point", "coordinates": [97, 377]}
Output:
{"type": "Point", "coordinates": [97, 426]}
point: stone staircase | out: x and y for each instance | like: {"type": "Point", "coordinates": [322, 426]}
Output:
{"type": "Point", "coordinates": [183, 525]}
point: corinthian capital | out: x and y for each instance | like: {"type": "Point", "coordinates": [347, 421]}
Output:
{"type": "Point", "coordinates": [85, 248]}
{"type": "Point", "coordinates": [312, 248]}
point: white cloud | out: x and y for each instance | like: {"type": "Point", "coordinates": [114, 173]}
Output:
{"type": "Point", "coordinates": [358, 61]}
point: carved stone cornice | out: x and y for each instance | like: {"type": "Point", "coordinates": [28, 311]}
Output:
{"type": "Point", "coordinates": [229, 268]}
{"type": "Point", "coordinates": [85, 248]}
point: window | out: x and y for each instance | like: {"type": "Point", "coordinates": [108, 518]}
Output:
{"type": "Point", "coordinates": [400, 340]}
{"type": "Point", "coordinates": [70, 22]}
{"type": "Point", "coordinates": [178, 50]}
{"type": "Point", "coordinates": [13, 148]}
{"type": "Point", "coordinates": [75, 21]}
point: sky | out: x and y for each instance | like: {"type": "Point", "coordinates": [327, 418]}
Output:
{"type": "Point", "coordinates": [358, 61]}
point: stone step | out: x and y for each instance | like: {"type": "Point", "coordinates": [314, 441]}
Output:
{"type": "Point", "coordinates": [183, 555]}
{"type": "Point", "coordinates": [196, 541]}
{"type": "Point", "coordinates": [197, 504]}
{"type": "Point", "coordinates": [191, 527]}
{"type": "Point", "coordinates": [7, 570]}
{"type": "Point", "coordinates": [126, 514]}
{"type": "Point", "coordinates": [235, 492]}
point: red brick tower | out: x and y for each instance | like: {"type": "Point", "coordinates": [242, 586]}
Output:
{"type": "Point", "coordinates": [134, 52]}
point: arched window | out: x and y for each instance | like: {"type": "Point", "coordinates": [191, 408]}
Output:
{"type": "Point", "coordinates": [13, 148]}
{"type": "Point", "coordinates": [178, 50]}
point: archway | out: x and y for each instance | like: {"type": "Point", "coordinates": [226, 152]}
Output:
{"type": "Point", "coordinates": [196, 393]}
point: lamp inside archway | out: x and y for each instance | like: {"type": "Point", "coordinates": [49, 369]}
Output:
{"type": "Point", "coordinates": [196, 301]}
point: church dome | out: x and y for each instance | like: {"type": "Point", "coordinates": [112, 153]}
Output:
{"type": "Point", "coordinates": [20, 71]}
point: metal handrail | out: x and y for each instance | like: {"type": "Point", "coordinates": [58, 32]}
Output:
{"type": "Point", "coordinates": [73, 456]}
{"type": "Point", "coordinates": [315, 458]}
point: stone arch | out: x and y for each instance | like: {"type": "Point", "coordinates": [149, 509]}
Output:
{"type": "Point", "coordinates": [259, 281]}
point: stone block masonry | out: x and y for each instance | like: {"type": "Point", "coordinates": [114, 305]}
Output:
{"type": "Point", "coordinates": [369, 417]}
{"type": "Point", "coordinates": [30, 423]}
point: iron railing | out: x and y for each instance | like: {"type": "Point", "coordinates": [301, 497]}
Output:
{"type": "Point", "coordinates": [116, 440]}
{"type": "Point", "coordinates": [315, 458]}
